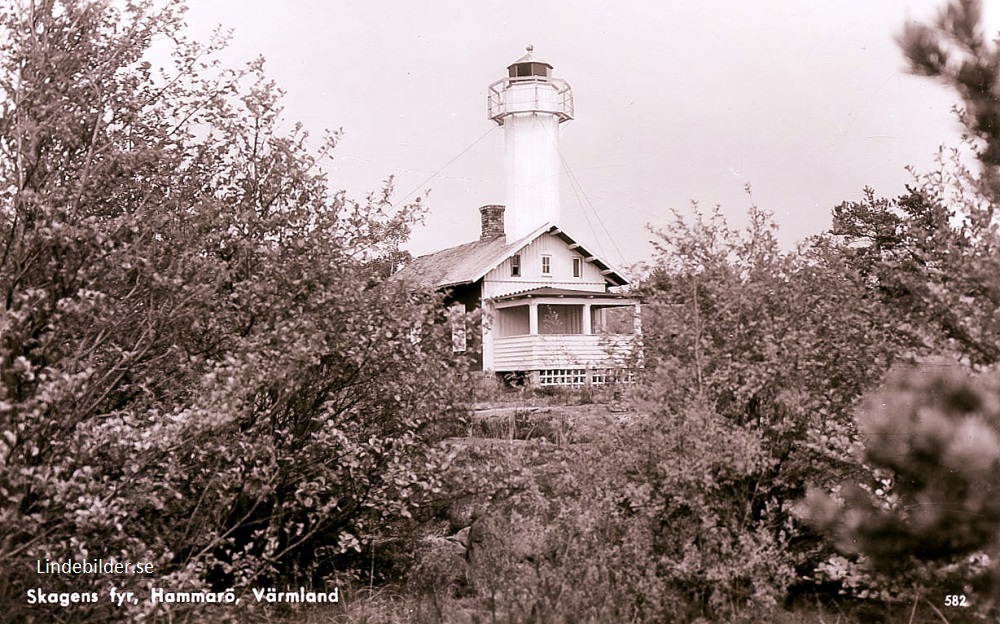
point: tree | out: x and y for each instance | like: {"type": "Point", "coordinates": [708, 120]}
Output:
{"type": "Point", "coordinates": [931, 432]}
{"type": "Point", "coordinates": [962, 244]}
{"type": "Point", "coordinates": [931, 257]}
{"type": "Point", "coordinates": [954, 49]}
{"type": "Point", "coordinates": [201, 363]}
{"type": "Point", "coordinates": [751, 348]}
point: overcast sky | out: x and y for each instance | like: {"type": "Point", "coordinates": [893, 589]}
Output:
{"type": "Point", "coordinates": [806, 101]}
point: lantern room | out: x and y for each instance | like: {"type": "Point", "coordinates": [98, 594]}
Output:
{"type": "Point", "coordinates": [529, 88]}
{"type": "Point", "coordinates": [528, 67]}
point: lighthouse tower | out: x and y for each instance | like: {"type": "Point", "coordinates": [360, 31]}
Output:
{"type": "Point", "coordinates": [530, 104]}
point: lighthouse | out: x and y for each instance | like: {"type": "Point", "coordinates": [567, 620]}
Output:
{"type": "Point", "coordinates": [529, 104]}
{"type": "Point", "coordinates": [549, 307]}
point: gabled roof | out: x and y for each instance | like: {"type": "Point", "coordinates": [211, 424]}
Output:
{"type": "Point", "coordinates": [609, 272]}
{"type": "Point", "coordinates": [455, 265]}
{"type": "Point", "coordinates": [469, 263]}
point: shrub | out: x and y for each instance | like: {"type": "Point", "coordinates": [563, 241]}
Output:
{"type": "Point", "coordinates": [931, 525]}
{"type": "Point", "coordinates": [202, 364]}
{"type": "Point", "coordinates": [622, 530]}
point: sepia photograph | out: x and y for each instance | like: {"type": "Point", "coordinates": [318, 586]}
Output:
{"type": "Point", "coordinates": [499, 312]}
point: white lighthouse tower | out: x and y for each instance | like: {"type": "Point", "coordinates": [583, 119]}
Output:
{"type": "Point", "coordinates": [530, 104]}
{"type": "Point", "coordinates": [550, 310]}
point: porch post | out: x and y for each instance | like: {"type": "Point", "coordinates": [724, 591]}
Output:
{"type": "Point", "coordinates": [487, 325]}
{"type": "Point", "coordinates": [533, 318]}
{"type": "Point", "coordinates": [637, 344]}
{"type": "Point", "coordinates": [587, 329]}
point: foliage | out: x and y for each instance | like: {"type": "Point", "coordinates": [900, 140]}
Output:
{"type": "Point", "coordinates": [931, 257]}
{"type": "Point", "coordinates": [201, 363]}
{"type": "Point", "coordinates": [618, 530]}
{"type": "Point", "coordinates": [695, 484]}
{"type": "Point", "coordinates": [954, 49]}
{"type": "Point", "coordinates": [752, 348]}
{"type": "Point", "coordinates": [918, 530]}
{"type": "Point", "coordinates": [746, 325]}
{"type": "Point", "coordinates": [933, 524]}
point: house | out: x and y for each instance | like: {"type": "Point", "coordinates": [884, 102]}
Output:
{"type": "Point", "coordinates": [553, 312]}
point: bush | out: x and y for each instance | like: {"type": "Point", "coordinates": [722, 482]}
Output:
{"type": "Point", "coordinates": [202, 364]}
{"type": "Point", "coordinates": [621, 530]}
{"type": "Point", "coordinates": [931, 525]}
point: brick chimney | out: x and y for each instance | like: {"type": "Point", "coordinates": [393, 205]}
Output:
{"type": "Point", "coordinates": [492, 218]}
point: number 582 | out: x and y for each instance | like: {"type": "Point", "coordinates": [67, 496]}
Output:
{"type": "Point", "coordinates": [955, 601]}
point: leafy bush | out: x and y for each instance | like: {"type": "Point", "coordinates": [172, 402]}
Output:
{"type": "Point", "coordinates": [640, 526]}
{"type": "Point", "coordinates": [201, 362]}
{"type": "Point", "coordinates": [775, 348]}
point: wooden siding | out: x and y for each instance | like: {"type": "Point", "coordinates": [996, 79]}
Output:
{"type": "Point", "coordinates": [499, 282]}
{"type": "Point", "coordinates": [525, 353]}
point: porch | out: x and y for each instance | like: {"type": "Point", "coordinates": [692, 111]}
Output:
{"type": "Point", "coordinates": [564, 337]}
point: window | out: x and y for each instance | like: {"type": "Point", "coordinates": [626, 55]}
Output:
{"type": "Point", "coordinates": [562, 377]}
{"type": "Point", "coordinates": [546, 265]}
{"type": "Point", "coordinates": [514, 321]}
{"type": "Point", "coordinates": [528, 70]}
{"type": "Point", "coordinates": [560, 318]}
{"type": "Point", "coordinates": [515, 265]}
{"type": "Point", "coordinates": [577, 267]}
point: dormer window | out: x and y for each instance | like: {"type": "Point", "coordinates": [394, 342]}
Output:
{"type": "Point", "coordinates": [546, 265]}
{"type": "Point", "coordinates": [515, 265]}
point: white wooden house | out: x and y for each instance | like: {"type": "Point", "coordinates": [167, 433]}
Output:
{"type": "Point", "coordinates": [552, 310]}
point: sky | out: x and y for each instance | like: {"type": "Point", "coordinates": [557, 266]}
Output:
{"type": "Point", "coordinates": [807, 102]}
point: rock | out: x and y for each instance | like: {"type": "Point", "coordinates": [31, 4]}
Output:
{"type": "Point", "coordinates": [439, 566]}
{"type": "Point", "coordinates": [463, 513]}
{"type": "Point", "coordinates": [473, 539]}
{"type": "Point", "coordinates": [442, 548]}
